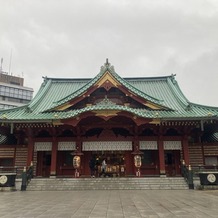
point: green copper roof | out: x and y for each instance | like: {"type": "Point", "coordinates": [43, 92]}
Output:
{"type": "Point", "coordinates": [104, 69]}
{"type": "Point", "coordinates": [163, 91]}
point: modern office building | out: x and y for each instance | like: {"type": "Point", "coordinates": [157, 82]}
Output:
{"type": "Point", "coordinates": [13, 93]}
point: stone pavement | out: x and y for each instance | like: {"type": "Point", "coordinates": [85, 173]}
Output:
{"type": "Point", "coordinates": [128, 203]}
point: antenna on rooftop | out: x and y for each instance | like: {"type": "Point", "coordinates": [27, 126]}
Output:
{"type": "Point", "coordinates": [10, 63]}
{"type": "Point", "coordinates": [1, 64]}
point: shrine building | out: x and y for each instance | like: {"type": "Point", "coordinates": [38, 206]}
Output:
{"type": "Point", "coordinates": [113, 118]}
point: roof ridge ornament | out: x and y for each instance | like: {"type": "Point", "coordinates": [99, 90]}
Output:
{"type": "Point", "coordinates": [173, 78]}
{"type": "Point", "coordinates": [45, 79]}
{"type": "Point", "coordinates": [107, 66]}
{"type": "Point", "coordinates": [107, 63]}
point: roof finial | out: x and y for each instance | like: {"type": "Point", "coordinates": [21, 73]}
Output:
{"type": "Point", "coordinates": [107, 66]}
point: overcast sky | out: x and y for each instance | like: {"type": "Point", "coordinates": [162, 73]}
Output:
{"type": "Point", "coordinates": [141, 38]}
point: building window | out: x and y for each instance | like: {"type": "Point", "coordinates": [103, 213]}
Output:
{"type": "Point", "coordinates": [16, 93]}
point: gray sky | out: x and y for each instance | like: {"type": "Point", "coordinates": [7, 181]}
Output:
{"type": "Point", "coordinates": [73, 38]}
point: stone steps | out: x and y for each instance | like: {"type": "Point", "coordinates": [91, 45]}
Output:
{"type": "Point", "coordinates": [70, 184]}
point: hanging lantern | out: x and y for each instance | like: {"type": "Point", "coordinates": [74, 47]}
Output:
{"type": "Point", "coordinates": [137, 161]}
{"type": "Point", "coordinates": [76, 162]}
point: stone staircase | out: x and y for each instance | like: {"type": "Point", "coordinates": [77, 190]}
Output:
{"type": "Point", "coordinates": [71, 184]}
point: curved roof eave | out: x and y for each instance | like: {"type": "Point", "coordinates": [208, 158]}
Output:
{"type": "Point", "coordinates": [42, 91]}
{"type": "Point", "coordinates": [204, 106]}
{"type": "Point", "coordinates": [177, 91]}
{"type": "Point", "coordinates": [27, 117]}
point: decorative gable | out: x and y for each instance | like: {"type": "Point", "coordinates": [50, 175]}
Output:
{"type": "Point", "coordinates": [107, 84]}
{"type": "Point", "coordinates": [107, 81]}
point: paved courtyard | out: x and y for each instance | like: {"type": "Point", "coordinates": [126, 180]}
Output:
{"type": "Point", "coordinates": [141, 203]}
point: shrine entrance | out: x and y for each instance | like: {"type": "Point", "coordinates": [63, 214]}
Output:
{"type": "Point", "coordinates": [116, 153]}
{"type": "Point", "coordinates": [115, 162]}
{"type": "Point", "coordinates": [65, 164]}
{"type": "Point", "coordinates": [172, 162]}
{"type": "Point", "coordinates": [43, 163]}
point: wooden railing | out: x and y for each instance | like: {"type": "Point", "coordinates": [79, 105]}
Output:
{"type": "Point", "coordinates": [187, 173]}
{"type": "Point", "coordinates": [203, 168]}
{"type": "Point", "coordinates": [27, 175]}
{"type": "Point", "coordinates": [8, 169]}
